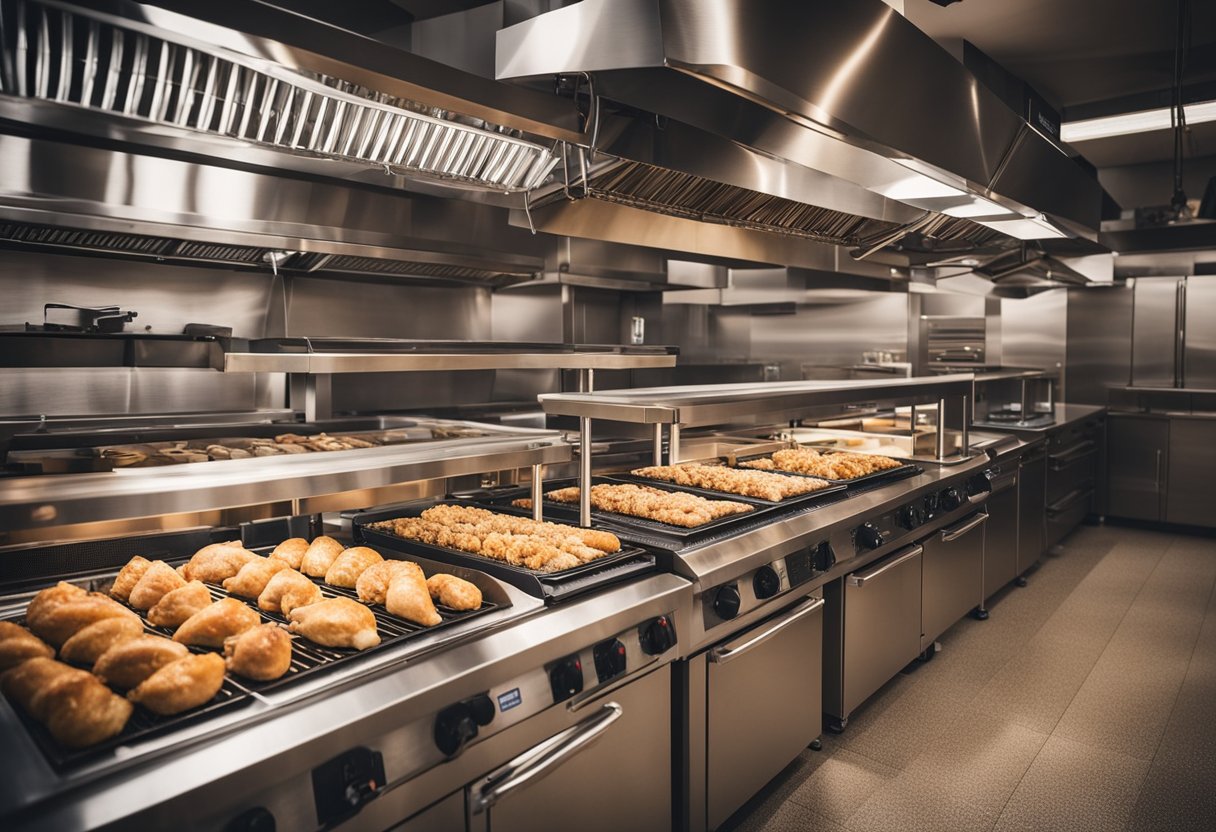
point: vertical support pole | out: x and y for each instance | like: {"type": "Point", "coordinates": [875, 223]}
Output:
{"type": "Point", "coordinates": [1027, 403]}
{"type": "Point", "coordinates": [538, 492]}
{"type": "Point", "coordinates": [965, 442]}
{"type": "Point", "coordinates": [941, 430]}
{"type": "Point", "coordinates": [318, 401]}
{"type": "Point", "coordinates": [673, 443]}
{"type": "Point", "coordinates": [658, 443]}
{"type": "Point", "coordinates": [912, 427]}
{"type": "Point", "coordinates": [586, 384]}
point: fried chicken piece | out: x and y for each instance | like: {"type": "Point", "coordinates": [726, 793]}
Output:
{"type": "Point", "coordinates": [762, 484]}
{"type": "Point", "coordinates": [834, 466]}
{"type": "Point", "coordinates": [337, 622]}
{"type": "Point", "coordinates": [262, 653]}
{"type": "Point", "coordinates": [176, 606]}
{"type": "Point", "coordinates": [181, 685]}
{"type": "Point", "coordinates": [18, 645]}
{"type": "Point", "coordinates": [253, 577]}
{"type": "Point", "coordinates": [129, 662]}
{"type": "Point", "coordinates": [212, 624]}
{"type": "Point", "coordinates": [56, 614]}
{"type": "Point", "coordinates": [87, 645]}
{"type": "Point", "coordinates": [349, 565]}
{"type": "Point", "coordinates": [291, 551]}
{"type": "Point", "coordinates": [671, 507]}
{"type": "Point", "coordinates": [321, 555]}
{"type": "Point", "coordinates": [129, 576]}
{"type": "Point", "coordinates": [25, 683]}
{"type": "Point", "coordinates": [158, 579]}
{"type": "Point", "coordinates": [287, 590]}
{"type": "Point", "coordinates": [80, 711]}
{"type": "Point", "coordinates": [217, 561]}
{"type": "Point", "coordinates": [409, 598]}
{"type": "Point", "coordinates": [454, 593]}
{"type": "Point", "coordinates": [372, 585]}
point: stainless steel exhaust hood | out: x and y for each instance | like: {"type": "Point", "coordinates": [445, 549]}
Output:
{"type": "Point", "coordinates": [850, 93]}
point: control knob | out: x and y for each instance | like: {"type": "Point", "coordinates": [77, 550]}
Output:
{"type": "Point", "coordinates": [457, 724]}
{"type": "Point", "coordinates": [566, 678]}
{"type": "Point", "coordinates": [911, 517]}
{"type": "Point", "coordinates": [766, 583]}
{"type": "Point", "coordinates": [610, 659]}
{"type": "Point", "coordinates": [726, 602]}
{"type": "Point", "coordinates": [822, 557]}
{"type": "Point", "coordinates": [656, 636]}
{"type": "Point", "coordinates": [257, 819]}
{"type": "Point", "coordinates": [951, 499]}
{"type": "Point", "coordinates": [869, 537]}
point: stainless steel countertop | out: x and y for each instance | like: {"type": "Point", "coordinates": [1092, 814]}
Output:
{"type": "Point", "coordinates": [1065, 414]}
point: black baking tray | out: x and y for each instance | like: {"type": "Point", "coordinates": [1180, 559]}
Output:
{"type": "Point", "coordinates": [629, 562]}
{"type": "Point", "coordinates": [624, 523]}
{"type": "Point", "coordinates": [710, 494]}
{"type": "Point", "coordinates": [908, 469]}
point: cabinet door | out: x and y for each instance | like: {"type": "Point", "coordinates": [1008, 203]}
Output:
{"type": "Point", "coordinates": [1136, 464]}
{"type": "Point", "coordinates": [1192, 457]}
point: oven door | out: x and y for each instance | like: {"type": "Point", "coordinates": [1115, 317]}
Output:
{"type": "Point", "coordinates": [610, 770]}
{"type": "Point", "coordinates": [764, 704]}
{"type": "Point", "coordinates": [952, 579]}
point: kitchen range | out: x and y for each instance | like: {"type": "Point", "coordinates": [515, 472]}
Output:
{"type": "Point", "coordinates": [408, 424]}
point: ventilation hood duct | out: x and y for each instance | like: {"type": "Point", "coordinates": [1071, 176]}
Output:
{"type": "Point", "coordinates": [1015, 273]}
{"type": "Point", "coordinates": [245, 83]}
{"type": "Point", "coordinates": [850, 96]}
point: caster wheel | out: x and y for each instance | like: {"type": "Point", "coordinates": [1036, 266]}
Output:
{"type": "Point", "coordinates": [927, 655]}
{"type": "Point", "coordinates": [816, 744]}
{"type": "Point", "coordinates": [836, 726]}
{"type": "Point", "coordinates": [1021, 581]}
{"type": "Point", "coordinates": [979, 614]}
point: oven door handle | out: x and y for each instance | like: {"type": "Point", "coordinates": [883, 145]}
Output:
{"type": "Point", "coordinates": [722, 655]}
{"type": "Point", "coordinates": [958, 531]}
{"type": "Point", "coordinates": [860, 578]}
{"type": "Point", "coordinates": [540, 760]}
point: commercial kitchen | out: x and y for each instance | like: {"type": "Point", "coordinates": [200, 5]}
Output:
{"type": "Point", "coordinates": [607, 415]}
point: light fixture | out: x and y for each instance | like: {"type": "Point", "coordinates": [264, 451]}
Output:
{"type": "Point", "coordinates": [976, 207]}
{"type": "Point", "coordinates": [1025, 228]}
{"type": "Point", "coordinates": [1139, 122]}
{"type": "Point", "coordinates": [917, 186]}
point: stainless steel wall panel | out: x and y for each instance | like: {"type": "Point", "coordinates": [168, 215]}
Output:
{"type": "Point", "coordinates": [1200, 353]}
{"type": "Point", "coordinates": [1154, 327]}
{"type": "Point", "coordinates": [379, 310]}
{"type": "Point", "coordinates": [1099, 343]}
{"type": "Point", "coordinates": [1033, 334]}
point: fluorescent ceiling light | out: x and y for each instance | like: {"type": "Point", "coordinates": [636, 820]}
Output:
{"type": "Point", "coordinates": [1127, 123]}
{"type": "Point", "coordinates": [1025, 228]}
{"type": "Point", "coordinates": [977, 207]}
{"type": "Point", "coordinates": [916, 186]}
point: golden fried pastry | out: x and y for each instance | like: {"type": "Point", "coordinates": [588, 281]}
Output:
{"type": "Point", "coordinates": [212, 564]}
{"type": "Point", "coordinates": [287, 590]}
{"type": "Point", "coordinates": [291, 551]}
{"type": "Point", "coordinates": [262, 653]}
{"type": "Point", "coordinates": [454, 593]}
{"type": "Point", "coordinates": [129, 576]}
{"type": "Point", "coordinates": [321, 555]}
{"type": "Point", "coordinates": [129, 662]}
{"type": "Point", "coordinates": [409, 598]}
{"type": "Point", "coordinates": [176, 606]}
{"type": "Point", "coordinates": [337, 622]}
{"type": "Point", "coordinates": [55, 614]}
{"type": "Point", "coordinates": [372, 585]}
{"type": "Point", "coordinates": [212, 624]}
{"type": "Point", "coordinates": [158, 579]}
{"type": "Point", "coordinates": [87, 645]}
{"type": "Point", "coordinates": [18, 645]}
{"type": "Point", "coordinates": [26, 682]}
{"type": "Point", "coordinates": [348, 566]}
{"type": "Point", "coordinates": [182, 684]}
{"type": "Point", "coordinates": [831, 466]}
{"type": "Point", "coordinates": [674, 508]}
{"type": "Point", "coordinates": [762, 484]}
{"type": "Point", "coordinates": [254, 576]}
{"type": "Point", "coordinates": [80, 711]}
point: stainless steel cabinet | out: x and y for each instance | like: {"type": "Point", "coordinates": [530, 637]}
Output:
{"type": "Point", "coordinates": [754, 730]}
{"type": "Point", "coordinates": [951, 576]}
{"type": "Point", "coordinates": [1199, 367]}
{"type": "Point", "coordinates": [1138, 459]}
{"type": "Point", "coordinates": [1155, 330]}
{"type": "Point", "coordinates": [1189, 497]}
{"type": "Point", "coordinates": [1001, 536]}
{"type": "Point", "coordinates": [1032, 504]}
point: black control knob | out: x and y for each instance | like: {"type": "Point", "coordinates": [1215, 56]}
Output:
{"type": "Point", "coordinates": [822, 557]}
{"type": "Point", "coordinates": [454, 726]}
{"type": "Point", "coordinates": [950, 499]}
{"type": "Point", "coordinates": [482, 709]}
{"type": "Point", "coordinates": [609, 659]}
{"type": "Point", "coordinates": [566, 678]}
{"type": "Point", "coordinates": [726, 602]}
{"type": "Point", "coordinates": [911, 517]}
{"type": "Point", "coordinates": [766, 583]}
{"type": "Point", "coordinates": [256, 819]}
{"type": "Point", "coordinates": [980, 483]}
{"type": "Point", "coordinates": [869, 537]}
{"type": "Point", "coordinates": [657, 636]}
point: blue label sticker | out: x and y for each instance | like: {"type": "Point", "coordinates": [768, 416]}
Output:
{"type": "Point", "coordinates": [508, 700]}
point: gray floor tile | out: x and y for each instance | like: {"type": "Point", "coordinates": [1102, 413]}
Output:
{"type": "Point", "coordinates": [1073, 787]}
{"type": "Point", "coordinates": [901, 808]}
{"type": "Point", "coordinates": [1178, 797]}
{"type": "Point", "coordinates": [841, 784]}
{"type": "Point", "coordinates": [899, 733]}
{"type": "Point", "coordinates": [778, 816]}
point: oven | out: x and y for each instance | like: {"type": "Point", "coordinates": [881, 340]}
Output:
{"type": "Point", "coordinates": [951, 576]}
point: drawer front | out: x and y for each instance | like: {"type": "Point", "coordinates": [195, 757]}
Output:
{"type": "Point", "coordinates": [952, 576]}
{"type": "Point", "coordinates": [1001, 541]}
{"type": "Point", "coordinates": [1066, 514]}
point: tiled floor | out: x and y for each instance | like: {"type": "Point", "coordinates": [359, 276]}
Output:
{"type": "Point", "coordinates": [1086, 701]}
